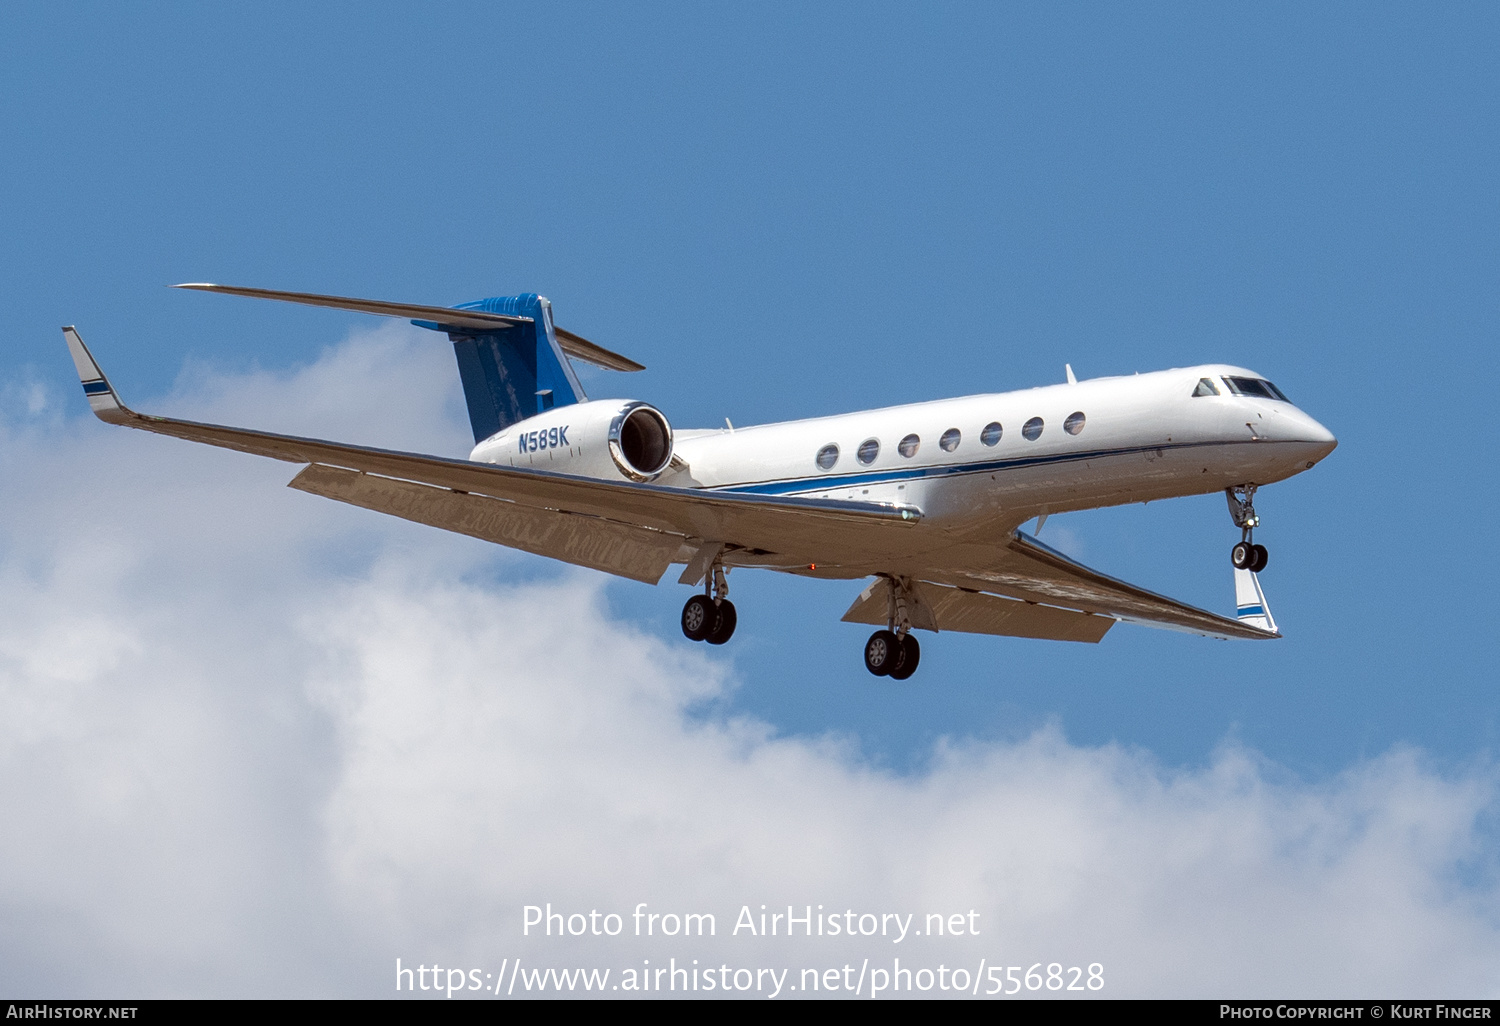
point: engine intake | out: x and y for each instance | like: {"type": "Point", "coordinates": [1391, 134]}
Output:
{"type": "Point", "coordinates": [640, 441]}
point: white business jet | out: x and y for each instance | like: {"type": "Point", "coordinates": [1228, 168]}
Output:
{"type": "Point", "coordinates": [927, 500]}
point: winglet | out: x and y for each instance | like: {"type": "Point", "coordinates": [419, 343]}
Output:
{"type": "Point", "coordinates": [101, 395]}
{"type": "Point", "coordinates": [1250, 602]}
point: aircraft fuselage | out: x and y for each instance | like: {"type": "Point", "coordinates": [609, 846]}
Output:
{"type": "Point", "coordinates": [1098, 442]}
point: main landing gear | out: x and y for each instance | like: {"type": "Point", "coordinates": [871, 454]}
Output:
{"type": "Point", "coordinates": [710, 617]}
{"type": "Point", "coordinates": [894, 652]}
{"type": "Point", "coordinates": [893, 655]}
{"type": "Point", "coordinates": [1246, 555]}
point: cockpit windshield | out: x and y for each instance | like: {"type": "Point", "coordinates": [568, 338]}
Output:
{"type": "Point", "coordinates": [1258, 388]}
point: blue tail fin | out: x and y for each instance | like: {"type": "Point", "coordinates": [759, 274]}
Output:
{"type": "Point", "coordinates": [512, 374]}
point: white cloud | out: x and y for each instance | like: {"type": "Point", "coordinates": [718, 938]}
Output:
{"type": "Point", "coordinates": [257, 743]}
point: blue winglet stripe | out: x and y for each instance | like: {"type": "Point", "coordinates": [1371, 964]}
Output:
{"type": "Point", "coordinates": [95, 387]}
{"type": "Point", "coordinates": [1252, 611]}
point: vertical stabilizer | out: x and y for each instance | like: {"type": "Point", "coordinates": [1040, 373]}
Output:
{"type": "Point", "coordinates": [1250, 601]}
{"type": "Point", "coordinates": [514, 373]}
{"type": "Point", "coordinates": [510, 355]}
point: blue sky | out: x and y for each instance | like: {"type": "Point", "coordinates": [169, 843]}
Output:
{"type": "Point", "coordinates": [788, 210]}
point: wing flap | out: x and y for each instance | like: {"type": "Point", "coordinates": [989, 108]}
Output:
{"type": "Point", "coordinates": [972, 612]}
{"type": "Point", "coordinates": [637, 553]}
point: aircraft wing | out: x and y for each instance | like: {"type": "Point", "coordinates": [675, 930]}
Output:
{"type": "Point", "coordinates": [638, 530]}
{"type": "Point", "coordinates": [941, 607]}
{"type": "Point", "coordinates": [630, 529]}
{"type": "Point", "coordinates": [1028, 570]}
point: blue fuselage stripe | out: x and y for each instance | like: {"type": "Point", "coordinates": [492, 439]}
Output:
{"type": "Point", "coordinates": [805, 484]}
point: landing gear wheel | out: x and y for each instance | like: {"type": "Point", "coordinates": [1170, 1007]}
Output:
{"type": "Point", "coordinates": [1242, 555]}
{"type": "Point", "coordinates": [723, 629]}
{"type": "Point", "coordinates": [699, 617]}
{"type": "Point", "coordinates": [882, 653]}
{"type": "Point", "coordinates": [1259, 559]}
{"type": "Point", "coordinates": [911, 654]}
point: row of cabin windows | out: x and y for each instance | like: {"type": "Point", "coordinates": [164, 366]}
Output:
{"type": "Point", "coordinates": [869, 449]}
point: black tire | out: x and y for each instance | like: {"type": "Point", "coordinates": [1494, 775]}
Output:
{"type": "Point", "coordinates": [882, 652]}
{"type": "Point", "coordinates": [1262, 557]}
{"type": "Point", "coordinates": [723, 630]}
{"type": "Point", "coordinates": [897, 662]}
{"type": "Point", "coordinates": [911, 655]}
{"type": "Point", "coordinates": [1242, 555]}
{"type": "Point", "coordinates": [698, 617]}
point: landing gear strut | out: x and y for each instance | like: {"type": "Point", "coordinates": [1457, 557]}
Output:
{"type": "Point", "coordinates": [894, 652]}
{"type": "Point", "coordinates": [710, 617]}
{"type": "Point", "coordinates": [1246, 555]}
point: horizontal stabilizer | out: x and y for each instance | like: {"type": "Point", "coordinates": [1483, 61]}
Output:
{"type": "Point", "coordinates": [580, 348]}
{"type": "Point", "coordinates": [443, 317]}
{"type": "Point", "coordinates": [474, 320]}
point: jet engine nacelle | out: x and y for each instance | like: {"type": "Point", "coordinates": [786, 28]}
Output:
{"type": "Point", "coordinates": [605, 438]}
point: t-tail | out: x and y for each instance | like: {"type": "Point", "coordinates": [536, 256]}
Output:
{"type": "Point", "coordinates": [516, 372]}
{"type": "Point", "coordinates": [512, 360]}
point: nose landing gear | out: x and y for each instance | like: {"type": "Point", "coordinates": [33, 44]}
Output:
{"type": "Point", "coordinates": [1246, 555]}
{"type": "Point", "coordinates": [710, 617]}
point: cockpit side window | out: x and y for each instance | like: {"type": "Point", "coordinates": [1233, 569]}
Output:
{"type": "Point", "coordinates": [1257, 388]}
{"type": "Point", "coordinates": [1205, 387]}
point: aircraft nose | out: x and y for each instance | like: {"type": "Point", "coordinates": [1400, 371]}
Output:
{"type": "Point", "coordinates": [1317, 438]}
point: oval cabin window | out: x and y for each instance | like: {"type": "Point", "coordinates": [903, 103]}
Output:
{"type": "Point", "coordinates": [950, 440]}
{"type": "Point", "coordinates": [1074, 423]}
{"type": "Point", "coordinates": [867, 451]}
{"type": "Point", "coordinates": [991, 433]}
{"type": "Point", "coordinates": [1032, 429]}
{"type": "Point", "coordinates": [909, 445]}
{"type": "Point", "coordinates": [827, 457]}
